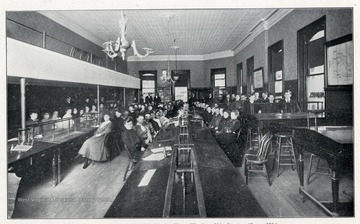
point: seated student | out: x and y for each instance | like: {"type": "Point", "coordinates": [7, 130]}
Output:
{"type": "Point", "coordinates": [226, 138]}
{"type": "Point", "coordinates": [264, 97]}
{"type": "Point", "coordinates": [48, 126]}
{"type": "Point", "coordinates": [227, 102]}
{"type": "Point", "coordinates": [223, 121]}
{"type": "Point", "coordinates": [82, 118]}
{"type": "Point", "coordinates": [142, 132]}
{"type": "Point", "coordinates": [257, 97]}
{"type": "Point", "coordinates": [55, 117]}
{"type": "Point", "coordinates": [125, 114]}
{"type": "Point", "coordinates": [131, 140]}
{"type": "Point", "coordinates": [221, 113]}
{"type": "Point", "coordinates": [216, 118]}
{"type": "Point", "coordinates": [289, 105]}
{"type": "Point", "coordinates": [233, 124]}
{"type": "Point", "coordinates": [68, 123]}
{"type": "Point", "coordinates": [148, 124]}
{"type": "Point", "coordinates": [155, 121]}
{"type": "Point", "coordinates": [163, 120]}
{"type": "Point", "coordinates": [76, 117]}
{"type": "Point", "coordinates": [207, 115]}
{"type": "Point", "coordinates": [94, 148]}
{"type": "Point", "coordinates": [236, 104]}
{"type": "Point", "coordinates": [271, 106]}
{"type": "Point", "coordinates": [132, 114]}
{"type": "Point", "coordinates": [249, 105]}
{"type": "Point", "coordinates": [94, 113]}
{"type": "Point", "coordinates": [243, 100]}
{"type": "Point", "coordinates": [32, 121]}
{"type": "Point", "coordinates": [118, 123]}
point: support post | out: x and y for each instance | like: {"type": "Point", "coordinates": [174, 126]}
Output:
{"type": "Point", "coordinates": [44, 39]}
{"type": "Point", "coordinates": [98, 103]}
{"type": "Point", "coordinates": [124, 98]}
{"type": "Point", "coordinates": [23, 108]}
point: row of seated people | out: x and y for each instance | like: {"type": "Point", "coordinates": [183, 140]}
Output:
{"type": "Point", "coordinates": [135, 134]}
{"type": "Point", "coordinates": [254, 104]}
{"type": "Point", "coordinates": [75, 117]}
{"type": "Point", "coordinates": [72, 118]}
{"type": "Point", "coordinates": [225, 126]}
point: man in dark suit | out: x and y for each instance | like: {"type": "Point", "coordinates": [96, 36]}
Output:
{"type": "Point", "coordinates": [157, 99]}
{"type": "Point", "coordinates": [270, 106]}
{"type": "Point", "coordinates": [250, 107]}
{"type": "Point", "coordinates": [148, 99]}
{"type": "Point", "coordinates": [289, 105]}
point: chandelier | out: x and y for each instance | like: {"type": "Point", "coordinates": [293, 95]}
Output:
{"type": "Point", "coordinates": [166, 74]}
{"type": "Point", "coordinates": [114, 48]}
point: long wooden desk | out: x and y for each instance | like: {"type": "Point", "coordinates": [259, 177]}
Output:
{"type": "Point", "coordinates": [332, 143]}
{"type": "Point", "coordinates": [285, 119]}
{"type": "Point", "coordinates": [21, 160]}
{"type": "Point", "coordinates": [225, 193]}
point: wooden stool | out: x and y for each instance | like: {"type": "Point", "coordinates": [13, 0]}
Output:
{"type": "Point", "coordinates": [284, 151]}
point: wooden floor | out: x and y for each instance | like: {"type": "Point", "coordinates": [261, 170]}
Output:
{"type": "Point", "coordinates": [83, 193]}
{"type": "Point", "coordinates": [282, 198]}
{"type": "Point", "coordinates": [88, 193]}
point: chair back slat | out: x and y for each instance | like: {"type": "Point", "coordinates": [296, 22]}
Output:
{"type": "Point", "coordinates": [264, 147]}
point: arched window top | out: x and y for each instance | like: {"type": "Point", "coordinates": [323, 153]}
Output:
{"type": "Point", "coordinates": [318, 35]}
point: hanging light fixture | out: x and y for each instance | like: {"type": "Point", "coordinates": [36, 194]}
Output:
{"type": "Point", "coordinates": [114, 48]}
{"type": "Point", "coordinates": [166, 74]}
{"type": "Point", "coordinates": [175, 77]}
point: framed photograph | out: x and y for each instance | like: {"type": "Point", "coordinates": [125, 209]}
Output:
{"type": "Point", "coordinates": [278, 75]}
{"type": "Point", "coordinates": [259, 78]}
{"type": "Point", "coordinates": [278, 86]}
{"type": "Point", "coordinates": [339, 61]}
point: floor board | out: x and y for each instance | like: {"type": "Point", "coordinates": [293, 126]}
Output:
{"type": "Point", "coordinates": [282, 198]}
{"type": "Point", "coordinates": [88, 193]}
{"type": "Point", "coordinates": [83, 193]}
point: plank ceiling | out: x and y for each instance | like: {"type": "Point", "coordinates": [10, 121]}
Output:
{"type": "Point", "coordinates": [197, 32]}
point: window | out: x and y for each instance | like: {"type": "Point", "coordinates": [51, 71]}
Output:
{"type": "Point", "coordinates": [219, 80]}
{"type": "Point", "coordinates": [218, 77]}
{"type": "Point", "coordinates": [311, 61]}
{"type": "Point", "coordinates": [148, 86]}
{"type": "Point", "coordinates": [148, 82]}
{"type": "Point", "coordinates": [276, 76]}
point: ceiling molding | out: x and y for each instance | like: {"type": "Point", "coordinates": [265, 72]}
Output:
{"type": "Point", "coordinates": [217, 55]}
{"type": "Point", "coordinates": [65, 22]}
{"type": "Point", "coordinates": [263, 25]}
{"type": "Point", "coordinates": [205, 57]}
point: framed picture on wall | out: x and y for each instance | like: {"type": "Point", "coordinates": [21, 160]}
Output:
{"type": "Point", "coordinates": [278, 75]}
{"type": "Point", "coordinates": [340, 61]}
{"type": "Point", "coordinates": [259, 78]}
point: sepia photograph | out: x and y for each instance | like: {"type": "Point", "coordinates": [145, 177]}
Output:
{"type": "Point", "coordinates": [179, 112]}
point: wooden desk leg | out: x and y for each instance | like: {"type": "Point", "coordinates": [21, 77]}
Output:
{"type": "Point", "coordinates": [335, 191]}
{"type": "Point", "coordinates": [54, 169]}
{"type": "Point", "coordinates": [301, 174]}
{"type": "Point", "coordinates": [58, 167]}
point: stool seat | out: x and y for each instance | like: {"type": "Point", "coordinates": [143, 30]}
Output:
{"type": "Point", "coordinates": [283, 135]}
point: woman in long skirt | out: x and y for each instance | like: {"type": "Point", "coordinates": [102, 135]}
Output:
{"type": "Point", "coordinates": [94, 148]}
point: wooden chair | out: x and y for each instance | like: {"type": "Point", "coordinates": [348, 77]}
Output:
{"type": "Point", "coordinates": [111, 142]}
{"type": "Point", "coordinates": [256, 163]}
{"type": "Point", "coordinates": [131, 163]}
